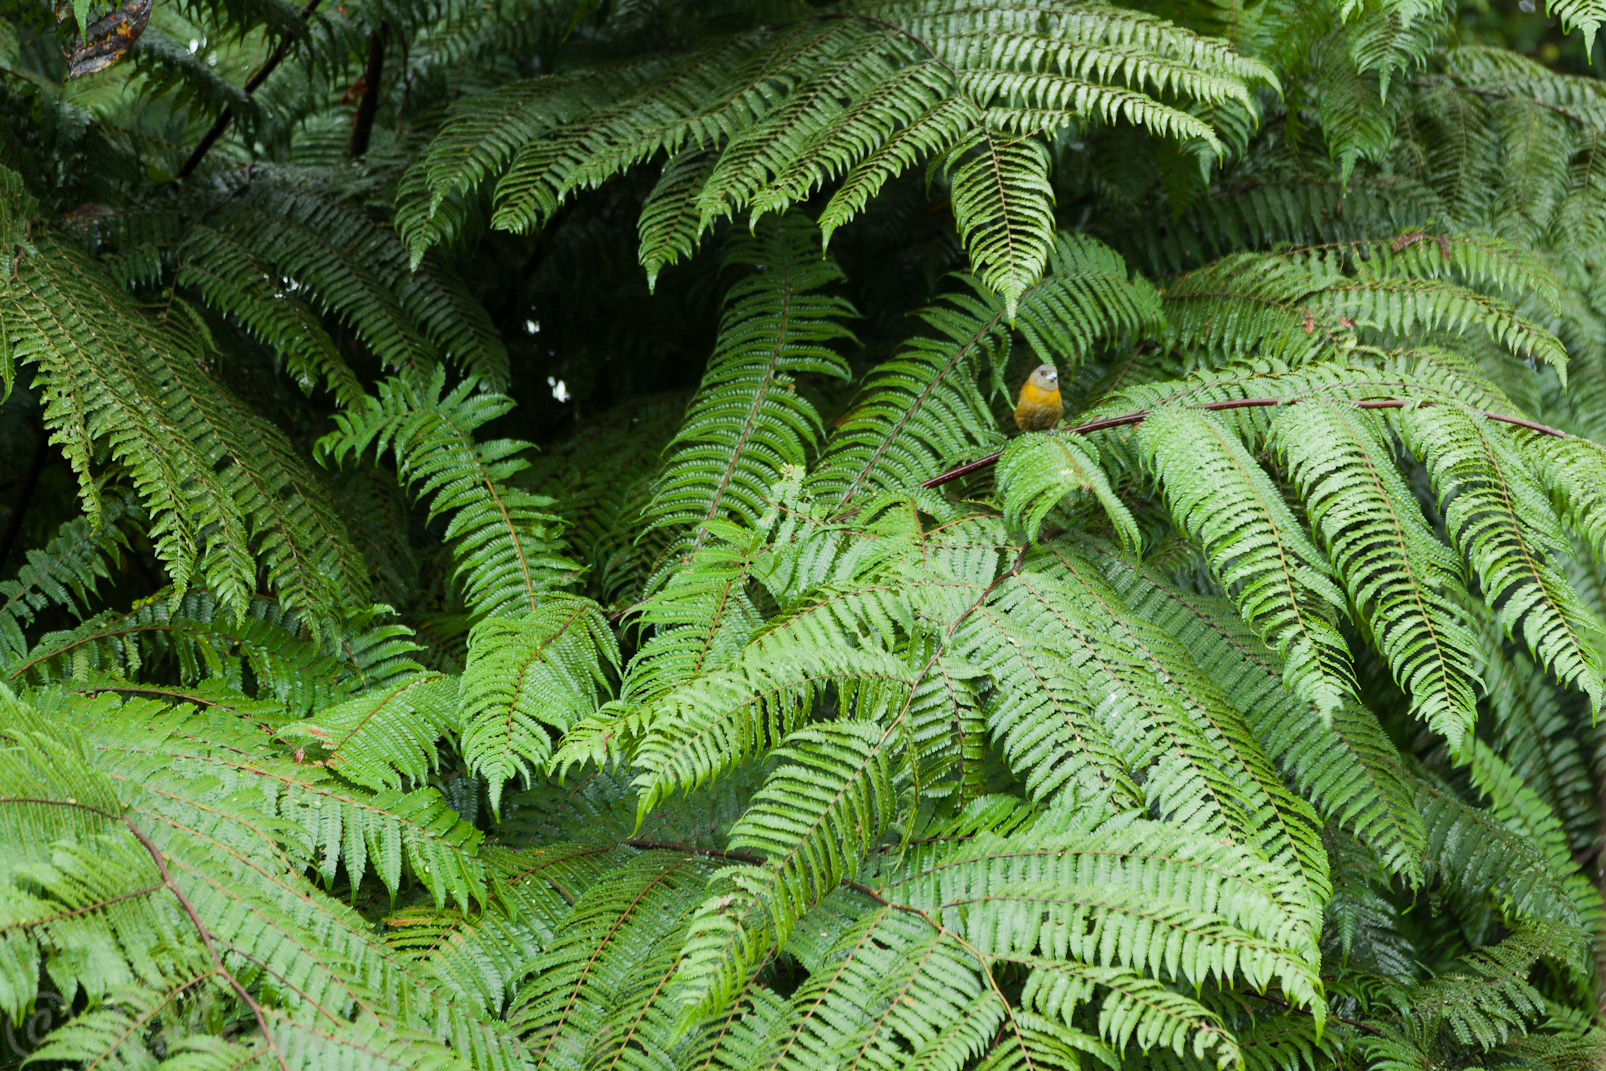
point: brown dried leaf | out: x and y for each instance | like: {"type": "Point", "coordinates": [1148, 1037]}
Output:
{"type": "Point", "coordinates": [107, 38]}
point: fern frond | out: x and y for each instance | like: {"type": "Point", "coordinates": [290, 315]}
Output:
{"type": "Point", "coordinates": [747, 420]}
{"type": "Point", "coordinates": [588, 977]}
{"type": "Point", "coordinates": [697, 732]}
{"type": "Point", "coordinates": [1471, 849]}
{"type": "Point", "coordinates": [701, 618]}
{"type": "Point", "coordinates": [383, 738]}
{"type": "Point", "coordinates": [1283, 826]}
{"type": "Point", "coordinates": [858, 94]}
{"type": "Point", "coordinates": [1135, 1010]}
{"type": "Point", "coordinates": [152, 749]}
{"type": "Point", "coordinates": [1533, 729]}
{"type": "Point", "coordinates": [1498, 516]}
{"type": "Point", "coordinates": [200, 640]}
{"type": "Point", "coordinates": [222, 485]}
{"type": "Point", "coordinates": [669, 228]}
{"type": "Point", "coordinates": [193, 858]}
{"type": "Point", "coordinates": [230, 277]}
{"type": "Point", "coordinates": [1398, 575]}
{"type": "Point", "coordinates": [822, 808]}
{"type": "Point", "coordinates": [1222, 498]}
{"type": "Point", "coordinates": [505, 541]}
{"type": "Point", "coordinates": [1042, 713]}
{"type": "Point", "coordinates": [1522, 810]}
{"type": "Point", "coordinates": [527, 677]}
{"type": "Point", "coordinates": [868, 978]}
{"type": "Point", "coordinates": [359, 271]}
{"type": "Point", "coordinates": [1489, 997]}
{"type": "Point", "coordinates": [1350, 770]}
{"type": "Point", "coordinates": [1003, 203]}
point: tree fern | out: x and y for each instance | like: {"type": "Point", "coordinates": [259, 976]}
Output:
{"type": "Point", "coordinates": [830, 798]}
{"type": "Point", "coordinates": [525, 675]}
{"type": "Point", "coordinates": [1431, 648]}
{"type": "Point", "coordinates": [1502, 522]}
{"type": "Point", "coordinates": [1279, 580]}
{"type": "Point", "coordinates": [699, 671]}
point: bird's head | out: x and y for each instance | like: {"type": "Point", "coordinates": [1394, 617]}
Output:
{"type": "Point", "coordinates": [1045, 377]}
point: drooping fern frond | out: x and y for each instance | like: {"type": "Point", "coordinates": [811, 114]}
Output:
{"type": "Point", "coordinates": [221, 485]}
{"type": "Point", "coordinates": [1498, 516]}
{"type": "Point", "coordinates": [1350, 770]}
{"type": "Point", "coordinates": [504, 540]}
{"type": "Point", "coordinates": [1295, 305]}
{"type": "Point", "coordinates": [862, 95]}
{"type": "Point", "coordinates": [1398, 575]}
{"type": "Point", "coordinates": [1221, 497]}
{"type": "Point", "coordinates": [1003, 202]}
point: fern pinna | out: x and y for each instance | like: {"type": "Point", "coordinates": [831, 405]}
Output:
{"type": "Point", "coordinates": [452, 619]}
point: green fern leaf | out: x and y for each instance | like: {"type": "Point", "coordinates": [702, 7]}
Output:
{"type": "Point", "coordinates": [1498, 516]}
{"type": "Point", "coordinates": [1398, 575]}
{"type": "Point", "coordinates": [817, 814]}
{"type": "Point", "coordinates": [529, 676]}
{"type": "Point", "coordinates": [747, 420]}
{"type": "Point", "coordinates": [1223, 499]}
{"type": "Point", "coordinates": [1003, 204]}
{"type": "Point", "coordinates": [505, 541]}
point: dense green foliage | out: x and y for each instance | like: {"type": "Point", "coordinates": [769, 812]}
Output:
{"type": "Point", "coordinates": [514, 554]}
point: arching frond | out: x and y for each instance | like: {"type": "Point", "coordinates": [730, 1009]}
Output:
{"type": "Point", "coordinates": [1498, 516]}
{"type": "Point", "coordinates": [221, 485]}
{"type": "Point", "coordinates": [1223, 499]}
{"type": "Point", "coordinates": [504, 539]}
{"type": "Point", "coordinates": [1398, 575]}
{"type": "Point", "coordinates": [526, 678]}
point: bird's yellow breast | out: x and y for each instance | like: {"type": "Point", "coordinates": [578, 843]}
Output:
{"type": "Point", "coordinates": [1038, 409]}
{"type": "Point", "coordinates": [1032, 394]}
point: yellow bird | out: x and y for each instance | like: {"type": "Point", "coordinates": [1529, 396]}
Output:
{"type": "Point", "coordinates": [1039, 407]}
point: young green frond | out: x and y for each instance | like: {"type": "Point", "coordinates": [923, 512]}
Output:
{"type": "Point", "coordinates": [748, 419]}
{"type": "Point", "coordinates": [505, 542]}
